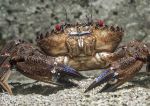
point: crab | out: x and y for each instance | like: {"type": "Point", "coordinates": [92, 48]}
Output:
{"type": "Point", "coordinates": [66, 48]}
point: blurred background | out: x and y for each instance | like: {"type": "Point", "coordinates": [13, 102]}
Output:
{"type": "Point", "coordinates": [24, 18]}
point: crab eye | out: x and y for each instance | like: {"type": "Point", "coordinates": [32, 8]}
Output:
{"type": "Point", "coordinates": [100, 23]}
{"type": "Point", "coordinates": [58, 27]}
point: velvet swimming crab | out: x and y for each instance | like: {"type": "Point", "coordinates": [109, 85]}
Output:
{"type": "Point", "coordinates": [67, 48]}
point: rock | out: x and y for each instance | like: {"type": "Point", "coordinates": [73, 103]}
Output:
{"type": "Point", "coordinates": [25, 18]}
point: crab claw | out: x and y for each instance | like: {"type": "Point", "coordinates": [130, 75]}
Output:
{"type": "Point", "coordinates": [70, 72]}
{"type": "Point", "coordinates": [64, 73]}
{"type": "Point", "coordinates": [106, 76]}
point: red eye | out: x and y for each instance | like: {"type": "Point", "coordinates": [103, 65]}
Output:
{"type": "Point", "coordinates": [100, 23]}
{"type": "Point", "coordinates": [58, 27]}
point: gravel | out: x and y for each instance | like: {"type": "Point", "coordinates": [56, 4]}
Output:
{"type": "Point", "coordinates": [27, 93]}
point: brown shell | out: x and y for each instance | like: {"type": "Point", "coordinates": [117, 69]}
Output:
{"type": "Point", "coordinates": [101, 38]}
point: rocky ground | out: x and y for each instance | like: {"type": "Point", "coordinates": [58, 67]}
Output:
{"type": "Point", "coordinates": [27, 93]}
{"type": "Point", "coordinates": [24, 18]}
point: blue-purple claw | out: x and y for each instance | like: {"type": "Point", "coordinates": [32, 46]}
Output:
{"type": "Point", "coordinates": [64, 73]}
{"type": "Point", "coordinates": [70, 72]}
{"type": "Point", "coordinates": [104, 77]}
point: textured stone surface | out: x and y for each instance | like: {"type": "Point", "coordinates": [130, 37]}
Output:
{"type": "Point", "coordinates": [26, 17]}
{"type": "Point", "coordinates": [27, 93]}
{"type": "Point", "coordinates": [134, 93]}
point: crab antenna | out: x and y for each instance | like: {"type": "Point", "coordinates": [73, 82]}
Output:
{"type": "Point", "coordinates": [67, 19]}
{"type": "Point", "coordinates": [91, 12]}
{"type": "Point", "coordinates": [89, 19]}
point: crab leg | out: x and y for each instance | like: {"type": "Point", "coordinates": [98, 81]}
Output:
{"type": "Point", "coordinates": [110, 57]}
{"type": "Point", "coordinates": [3, 81]}
{"type": "Point", "coordinates": [5, 72]}
{"type": "Point", "coordinates": [5, 55]}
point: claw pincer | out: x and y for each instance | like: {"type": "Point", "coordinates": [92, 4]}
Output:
{"type": "Point", "coordinates": [102, 78]}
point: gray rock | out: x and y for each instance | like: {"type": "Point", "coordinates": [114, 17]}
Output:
{"type": "Point", "coordinates": [25, 18]}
